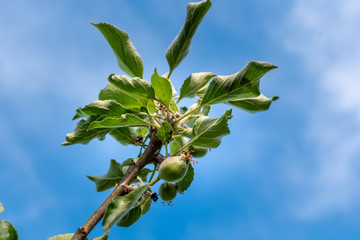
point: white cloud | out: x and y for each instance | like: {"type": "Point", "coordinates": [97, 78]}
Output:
{"type": "Point", "coordinates": [326, 35]}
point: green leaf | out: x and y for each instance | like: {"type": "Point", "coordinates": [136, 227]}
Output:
{"type": "Point", "coordinates": [145, 204]}
{"type": "Point", "coordinates": [142, 131]}
{"type": "Point", "coordinates": [135, 87]}
{"type": "Point", "coordinates": [201, 91]}
{"type": "Point", "coordinates": [206, 110]}
{"type": "Point", "coordinates": [151, 107]}
{"type": "Point", "coordinates": [103, 237]}
{"type": "Point", "coordinates": [125, 120]}
{"type": "Point", "coordinates": [194, 83]}
{"type": "Point", "coordinates": [162, 87]}
{"type": "Point", "coordinates": [180, 46]}
{"type": "Point", "coordinates": [128, 58]}
{"type": "Point", "coordinates": [82, 135]}
{"type": "Point", "coordinates": [173, 105]}
{"type": "Point", "coordinates": [143, 175]}
{"type": "Point", "coordinates": [109, 179]}
{"type": "Point", "coordinates": [256, 104]}
{"type": "Point", "coordinates": [185, 183]}
{"type": "Point", "coordinates": [121, 206]}
{"type": "Point", "coordinates": [124, 135]}
{"type": "Point", "coordinates": [111, 92]}
{"type": "Point", "coordinates": [1, 208]}
{"type": "Point", "coordinates": [164, 132]}
{"type": "Point", "coordinates": [208, 131]}
{"type": "Point", "coordinates": [176, 144]}
{"type": "Point", "coordinates": [187, 132]}
{"type": "Point", "coordinates": [100, 107]}
{"type": "Point", "coordinates": [130, 218]}
{"type": "Point", "coordinates": [7, 231]}
{"type": "Point", "coordinates": [243, 84]}
{"type": "Point", "coordinates": [66, 236]}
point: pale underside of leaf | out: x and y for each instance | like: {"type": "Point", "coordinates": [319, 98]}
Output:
{"type": "Point", "coordinates": [7, 231]}
{"type": "Point", "coordinates": [208, 131]}
{"type": "Point", "coordinates": [100, 107]}
{"type": "Point", "coordinates": [243, 84]}
{"type": "Point", "coordinates": [125, 120]}
{"type": "Point", "coordinates": [82, 135]}
{"type": "Point", "coordinates": [253, 105]}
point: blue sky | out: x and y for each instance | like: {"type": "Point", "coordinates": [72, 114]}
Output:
{"type": "Point", "coordinates": [289, 173]}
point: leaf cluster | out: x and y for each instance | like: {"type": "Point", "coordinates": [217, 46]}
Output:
{"type": "Point", "coordinates": [129, 108]}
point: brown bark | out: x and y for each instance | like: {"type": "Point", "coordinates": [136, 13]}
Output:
{"type": "Point", "coordinates": [122, 188]}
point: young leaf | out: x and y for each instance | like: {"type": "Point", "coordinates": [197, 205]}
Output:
{"type": "Point", "coordinates": [151, 107]}
{"type": "Point", "coordinates": [100, 107]}
{"type": "Point", "coordinates": [111, 92]}
{"type": "Point", "coordinates": [1, 208]}
{"type": "Point", "coordinates": [136, 87]}
{"type": "Point", "coordinates": [162, 87]}
{"type": "Point", "coordinates": [125, 120]}
{"type": "Point", "coordinates": [82, 135]}
{"type": "Point", "coordinates": [142, 131]}
{"type": "Point", "coordinates": [180, 46]}
{"type": "Point", "coordinates": [66, 236]}
{"type": "Point", "coordinates": [208, 131]}
{"type": "Point", "coordinates": [145, 204]}
{"type": "Point", "coordinates": [256, 104]}
{"type": "Point", "coordinates": [243, 84]}
{"type": "Point", "coordinates": [124, 135]}
{"type": "Point", "coordinates": [164, 132]}
{"type": "Point", "coordinates": [128, 58]}
{"type": "Point", "coordinates": [194, 83]}
{"type": "Point", "coordinates": [187, 132]}
{"type": "Point", "coordinates": [109, 179]}
{"type": "Point", "coordinates": [7, 231]}
{"type": "Point", "coordinates": [143, 174]}
{"type": "Point", "coordinates": [173, 105]}
{"type": "Point", "coordinates": [201, 91]}
{"type": "Point", "coordinates": [185, 183]}
{"type": "Point", "coordinates": [176, 144]}
{"type": "Point", "coordinates": [130, 218]}
{"type": "Point", "coordinates": [103, 237]}
{"type": "Point", "coordinates": [121, 206]}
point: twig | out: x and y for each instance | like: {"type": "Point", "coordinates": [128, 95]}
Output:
{"type": "Point", "coordinates": [146, 158]}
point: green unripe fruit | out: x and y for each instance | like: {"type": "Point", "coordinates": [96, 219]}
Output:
{"type": "Point", "coordinates": [173, 169]}
{"type": "Point", "coordinates": [198, 152]}
{"type": "Point", "coordinates": [167, 191]}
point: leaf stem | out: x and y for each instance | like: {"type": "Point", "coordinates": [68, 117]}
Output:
{"type": "Point", "coordinates": [166, 151]}
{"type": "Point", "coordinates": [187, 114]}
{"type": "Point", "coordinates": [176, 136]}
{"type": "Point", "coordinates": [183, 147]}
{"type": "Point", "coordinates": [121, 189]}
{"type": "Point", "coordinates": [139, 178]}
{"type": "Point", "coordinates": [153, 173]}
{"type": "Point", "coordinates": [154, 181]}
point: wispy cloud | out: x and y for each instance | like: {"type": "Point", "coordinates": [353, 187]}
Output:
{"type": "Point", "coordinates": [326, 36]}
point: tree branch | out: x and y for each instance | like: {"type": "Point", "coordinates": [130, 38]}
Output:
{"type": "Point", "coordinates": [121, 189]}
